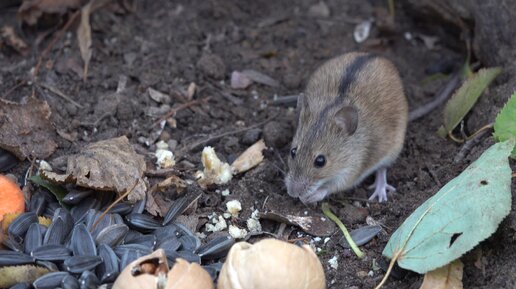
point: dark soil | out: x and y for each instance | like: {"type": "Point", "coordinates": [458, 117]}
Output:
{"type": "Point", "coordinates": [167, 45]}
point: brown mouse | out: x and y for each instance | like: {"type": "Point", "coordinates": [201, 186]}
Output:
{"type": "Point", "coordinates": [352, 123]}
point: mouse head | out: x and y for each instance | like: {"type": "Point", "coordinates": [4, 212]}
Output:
{"type": "Point", "coordinates": [321, 155]}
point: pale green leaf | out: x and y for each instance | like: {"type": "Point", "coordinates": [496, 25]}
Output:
{"type": "Point", "coordinates": [466, 96]}
{"type": "Point", "coordinates": [464, 212]}
{"type": "Point", "coordinates": [505, 124]}
{"type": "Point", "coordinates": [58, 191]}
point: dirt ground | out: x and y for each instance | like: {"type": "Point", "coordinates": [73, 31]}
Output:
{"type": "Point", "coordinates": [166, 45]}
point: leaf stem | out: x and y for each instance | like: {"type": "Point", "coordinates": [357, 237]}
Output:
{"type": "Point", "coordinates": [389, 269]}
{"type": "Point", "coordinates": [326, 210]}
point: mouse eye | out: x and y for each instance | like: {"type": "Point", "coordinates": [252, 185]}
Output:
{"type": "Point", "coordinates": [320, 161]}
{"type": "Point", "coordinates": [293, 152]}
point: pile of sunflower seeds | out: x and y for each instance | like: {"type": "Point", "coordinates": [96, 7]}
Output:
{"type": "Point", "coordinates": [82, 249]}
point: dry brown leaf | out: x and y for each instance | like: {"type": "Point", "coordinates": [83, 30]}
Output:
{"type": "Point", "coordinates": [173, 181]}
{"type": "Point", "coordinates": [446, 277]}
{"type": "Point", "coordinates": [26, 129]}
{"type": "Point", "coordinates": [13, 40]}
{"type": "Point", "coordinates": [31, 10]}
{"type": "Point", "coordinates": [250, 158]}
{"type": "Point", "coordinates": [108, 165]}
{"type": "Point", "coordinates": [84, 37]}
{"type": "Point", "coordinates": [11, 275]}
{"type": "Point", "coordinates": [152, 206]}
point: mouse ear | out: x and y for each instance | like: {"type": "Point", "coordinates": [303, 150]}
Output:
{"type": "Point", "coordinates": [347, 119]}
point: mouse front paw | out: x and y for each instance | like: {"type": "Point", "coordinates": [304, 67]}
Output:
{"type": "Point", "coordinates": [381, 187]}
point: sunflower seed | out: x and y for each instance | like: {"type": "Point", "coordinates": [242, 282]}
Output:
{"type": "Point", "coordinates": [146, 240]}
{"type": "Point", "coordinates": [37, 205]}
{"type": "Point", "coordinates": [20, 286]}
{"type": "Point", "coordinates": [361, 235]}
{"type": "Point", "coordinates": [79, 212]}
{"type": "Point", "coordinates": [216, 248]}
{"type": "Point", "coordinates": [82, 242]}
{"type": "Point", "coordinates": [176, 209]}
{"type": "Point", "coordinates": [187, 255]}
{"type": "Point", "coordinates": [56, 232]}
{"type": "Point", "coordinates": [51, 252]}
{"type": "Point", "coordinates": [112, 235]}
{"type": "Point", "coordinates": [213, 269]}
{"type": "Point", "coordinates": [167, 232]}
{"type": "Point", "coordinates": [92, 217]}
{"type": "Point", "coordinates": [121, 249]}
{"type": "Point", "coordinates": [117, 219]}
{"type": "Point", "coordinates": [33, 238]}
{"type": "Point", "coordinates": [74, 197]}
{"type": "Point", "coordinates": [47, 264]}
{"type": "Point", "coordinates": [21, 224]}
{"type": "Point", "coordinates": [108, 270]}
{"type": "Point", "coordinates": [105, 222]}
{"type": "Point", "coordinates": [70, 282]}
{"type": "Point", "coordinates": [67, 219]}
{"type": "Point", "coordinates": [188, 240]}
{"type": "Point", "coordinates": [131, 235]}
{"type": "Point", "coordinates": [142, 222]}
{"type": "Point", "coordinates": [139, 206]}
{"type": "Point", "coordinates": [170, 245]}
{"type": "Point", "coordinates": [129, 256]}
{"type": "Point", "coordinates": [11, 258]}
{"type": "Point", "coordinates": [12, 244]}
{"type": "Point", "coordinates": [50, 281]}
{"type": "Point", "coordinates": [88, 280]}
{"type": "Point", "coordinates": [121, 208]}
{"type": "Point", "coordinates": [78, 264]}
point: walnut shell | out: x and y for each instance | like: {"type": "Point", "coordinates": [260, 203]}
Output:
{"type": "Point", "coordinates": [271, 264]}
{"type": "Point", "coordinates": [153, 269]}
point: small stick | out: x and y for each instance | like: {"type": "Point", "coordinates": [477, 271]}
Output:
{"type": "Point", "coordinates": [216, 137]}
{"type": "Point", "coordinates": [468, 145]}
{"type": "Point", "coordinates": [54, 40]}
{"type": "Point", "coordinates": [174, 110]}
{"type": "Point", "coordinates": [113, 204]}
{"type": "Point", "coordinates": [12, 89]}
{"type": "Point", "coordinates": [60, 93]}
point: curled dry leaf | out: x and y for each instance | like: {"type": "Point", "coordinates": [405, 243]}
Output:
{"type": "Point", "coordinates": [172, 181]}
{"type": "Point", "coordinates": [249, 158]}
{"type": "Point", "coordinates": [446, 277]}
{"type": "Point", "coordinates": [271, 264]}
{"type": "Point", "coordinates": [13, 40]}
{"type": "Point", "coordinates": [26, 129]}
{"type": "Point", "coordinates": [149, 271]}
{"type": "Point", "coordinates": [11, 275]}
{"type": "Point", "coordinates": [215, 171]}
{"type": "Point", "coordinates": [31, 10]}
{"type": "Point", "coordinates": [84, 37]}
{"type": "Point", "coordinates": [108, 165]}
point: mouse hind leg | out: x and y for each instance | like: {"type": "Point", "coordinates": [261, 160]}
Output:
{"type": "Point", "coordinates": [381, 187]}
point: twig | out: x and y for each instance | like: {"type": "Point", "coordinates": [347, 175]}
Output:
{"type": "Point", "coordinates": [113, 204]}
{"type": "Point", "coordinates": [96, 122]}
{"type": "Point", "coordinates": [12, 89]}
{"type": "Point", "coordinates": [174, 110]}
{"type": "Point", "coordinates": [216, 137]}
{"type": "Point", "coordinates": [288, 99]}
{"type": "Point", "coordinates": [468, 145]}
{"type": "Point", "coordinates": [54, 40]}
{"type": "Point", "coordinates": [327, 212]}
{"type": "Point", "coordinates": [479, 131]}
{"type": "Point", "coordinates": [55, 90]}
{"type": "Point", "coordinates": [162, 172]}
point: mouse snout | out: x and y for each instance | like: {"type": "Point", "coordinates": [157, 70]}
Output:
{"type": "Point", "coordinates": [296, 187]}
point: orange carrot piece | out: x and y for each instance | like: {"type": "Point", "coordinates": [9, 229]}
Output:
{"type": "Point", "coordinates": [12, 200]}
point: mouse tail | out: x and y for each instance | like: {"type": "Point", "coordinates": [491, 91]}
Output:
{"type": "Point", "coordinates": [441, 97]}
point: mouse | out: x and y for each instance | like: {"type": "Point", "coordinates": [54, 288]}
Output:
{"type": "Point", "coordinates": [352, 120]}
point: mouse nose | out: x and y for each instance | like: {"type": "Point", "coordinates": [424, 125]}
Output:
{"type": "Point", "coordinates": [295, 188]}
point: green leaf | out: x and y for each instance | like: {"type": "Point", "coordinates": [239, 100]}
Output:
{"type": "Point", "coordinates": [505, 124]}
{"type": "Point", "coordinates": [58, 191]}
{"type": "Point", "coordinates": [464, 212]}
{"type": "Point", "coordinates": [466, 96]}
